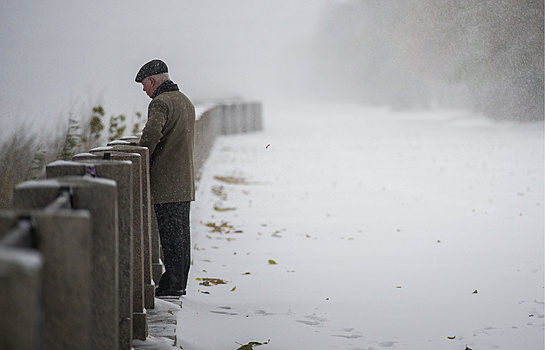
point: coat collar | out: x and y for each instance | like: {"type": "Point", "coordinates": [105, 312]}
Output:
{"type": "Point", "coordinates": [167, 86]}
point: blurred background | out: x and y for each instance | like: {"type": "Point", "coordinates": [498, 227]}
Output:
{"type": "Point", "coordinates": [63, 57]}
{"type": "Point", "coordinates": [60, 58]}
{"type": "Point", "coordinates": [485, 56]}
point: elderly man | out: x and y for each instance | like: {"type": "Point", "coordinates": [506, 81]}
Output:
{"type": "Point", "coordinates": [169, 135]}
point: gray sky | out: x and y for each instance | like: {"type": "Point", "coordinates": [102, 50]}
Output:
{"type": "Point", "coordinates": [64, 56]}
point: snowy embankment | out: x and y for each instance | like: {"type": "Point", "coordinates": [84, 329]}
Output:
{"type": "Point", "coordinates": [353, 228]}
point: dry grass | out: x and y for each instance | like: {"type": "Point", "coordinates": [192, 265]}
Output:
{"type": "Point", "coordinates": [23, 157]}
{"type": "Point", "coordinates": [24, 154]}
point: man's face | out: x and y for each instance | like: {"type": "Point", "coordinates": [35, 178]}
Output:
{"type": "Point", "coordinates": [148, 85]}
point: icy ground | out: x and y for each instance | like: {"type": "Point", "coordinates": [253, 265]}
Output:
{"type": "Point", "coordinates": [389, 230]}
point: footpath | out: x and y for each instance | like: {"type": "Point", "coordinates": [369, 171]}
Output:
{"type": "Point", "coordinates": [345, 227]}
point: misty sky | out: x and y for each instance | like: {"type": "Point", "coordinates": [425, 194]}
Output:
{"type": "Point", "coordinates": [65, 56]}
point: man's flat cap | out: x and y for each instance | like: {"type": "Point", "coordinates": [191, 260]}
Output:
{"type": "Point", "coordinates": [151, 68]}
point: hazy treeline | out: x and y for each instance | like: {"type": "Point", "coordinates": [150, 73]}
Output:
{"type": "Point", "coordinates": [486, 55]}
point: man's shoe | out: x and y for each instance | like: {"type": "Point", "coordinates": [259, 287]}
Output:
{"type": "Point", "coordinates": [169, 292]}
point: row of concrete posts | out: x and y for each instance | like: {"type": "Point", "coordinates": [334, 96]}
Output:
{"type": "Point", "coordinates": [80, 251]}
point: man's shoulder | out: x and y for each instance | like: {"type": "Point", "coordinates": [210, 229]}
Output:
{"type": "Point", "coordinates": [172, 101]}
{"type": "Point", "coordinates": [172, 96]}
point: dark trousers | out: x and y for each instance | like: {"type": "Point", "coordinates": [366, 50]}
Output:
{"type": "Point", "coordinates": [173, 222]}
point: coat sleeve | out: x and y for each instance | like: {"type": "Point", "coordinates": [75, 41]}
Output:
{"type": "Point", "coordinates": [153, 130]}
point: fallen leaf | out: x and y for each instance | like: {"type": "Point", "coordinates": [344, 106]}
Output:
{"type": "Point", "coordinates": [272, 262]}
{"type": "Point", "coordinates": [224, 227]}
{"type": "Point", "coordinates": [451, 337]}
{"type": "Point", "coordinates": [235, 287]}
{"type": "Point", "coordinates": [210, 281]}
{"type": "Point", "coordinates": [220, 209]}
{"type": "Point", "coordinates": [231, 180]}
{"type": "Point", "coordinates": [475, 291]}
{"type": "Point", "coordinates": [219, 191]}
{"type": "Point", "coordinates": [247, 273]}
{"type": "Point", "coordinates": [251, 345]}
{"type": "Point", "coordinates": [170, 312]}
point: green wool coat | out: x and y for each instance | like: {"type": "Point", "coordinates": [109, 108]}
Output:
{"type": "Point", "coordinates": [169, 135]}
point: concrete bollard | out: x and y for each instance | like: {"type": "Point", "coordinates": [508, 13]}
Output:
{"type": "Point", "coordinates": [64, 238]}
{"type": "Point", "coordinates": [99, 196]}
{"type": "Point", "coordinates": [240, 120]}
{"type": "Point", "coordinates": [226, 120]}
{"type": "Point", "coordinates": [139, 322]}
{"type": "Point", "coordinates": [256, 116]}
{"type": "Point", "coordinates": [20, 298]}
{"type": "Point", "coordinates": [206, 131]}
{"type": "Point", "coordinates": [156, 256]}
{"type": "Point", "coordinates": [235, 118]}
{"type": "Point", "coordinates": [244, 117]}
{"type": "Point", "coordinates": [149, 256]}
{"type": "Point", "coordinates": [130, 138]}
{"type": "Point", "coordinates": [121, 172]}
{"type": "Point", "coordinates": [258, 110]}
{"type": "Point", "coordinates": [64, 241]}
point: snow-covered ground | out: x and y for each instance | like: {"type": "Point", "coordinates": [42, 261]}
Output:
{"type": "Point", "coordinates": [389, 230]}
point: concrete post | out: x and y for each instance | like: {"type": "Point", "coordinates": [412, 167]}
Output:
{"type": "Point", "coordinates": [149, 287]}
{"type": "Point", "coordinates": [238, 116]}
{"type": "Point", "coordinates": [156, 256]}
{"type": "Point", "coordinates": [244, 117]}
{"type": "Point", "coordinates": [139, 322]}
{"type": "Point", "coordinates": [226, 120]}
{"type": "Point", "coordinates": [131, 138]}
{"type": "Point", "coordinates": [64, 238]}
{"type": "Point", "coordinates": [258, 116]}
{"type": "Point", "coordinates": [99, 196]}
{"type": "Point", "coordinates": [207, 129]}
{"type": "Point", "coordinates": [20, 297]}
{"type": "Point", "coordinates": [121, 172]}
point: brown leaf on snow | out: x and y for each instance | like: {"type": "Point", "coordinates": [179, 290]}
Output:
{"type": "Point", "coordinates": [250, 345]}
{"type": "Point", "coordinates": [219, 191]}
{"type": "Point", "coordinates": [232, 180]}
{"type": "Point", "coordinates": [210, 281]}
{"type": "Point", "coordinates": [218, 208]}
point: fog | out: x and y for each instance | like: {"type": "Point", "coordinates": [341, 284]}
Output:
{"type": "Point", "coordinates": [485, 56]}
{"type": "Point", "coordinates": [64, 57]}
{"type": "Point", "coordinates": [60, 58]}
